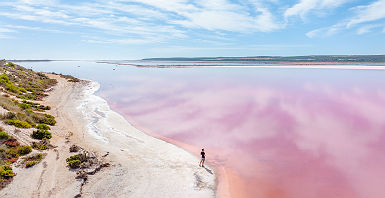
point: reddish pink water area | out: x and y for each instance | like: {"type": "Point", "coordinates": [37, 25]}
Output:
{"type": "Point", "coordinates": [278, 133]}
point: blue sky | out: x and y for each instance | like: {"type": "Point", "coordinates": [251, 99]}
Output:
{"type": "Point", "coordinates": [132, 29]}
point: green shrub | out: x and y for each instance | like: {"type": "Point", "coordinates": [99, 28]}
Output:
{"type": "Point", "coordinates": [42, 107]}
{"type": "Point", "coordinates": [74, 163]}
{"type": "Point", "coordinates": [12, 88]}
{"type": "Point", "coordinates": [5, 167]}
{"type": "Point", "coordinates": [44, 119]}
{"type": "Point", "coordinates": [43, 127]}
{"type": "Point", "coordinates": [38, 146]}
{"type": "Point", "coordinates": [11, 153]}
{"type": "Point", "coordinates": [10, 64]}
{"type": "Point", "coordinates": [41, 145]}
{"type": "Point", "coordinates": [41, 133]}
{"type": "Point", "coordinates": [27, 97]}
{"type": "Point", "coordinates": [4, 79]}
{"type": "Point", "coordinates": [4, 135]}
{"type": "Point", "coordinates": [23, 150]}
{"type": "Point", "coordinates": [30, 164]}
{"type": "Point", "coordinates": [30, 103]}
{"type": "Point", "coordinates": [22, 90]}
{"type": "Point", "coordinates": [7, 173]}
{"type": "Point", "coordinates": [28, 111]}
{"type": "Point", "coordinates": [73, 157]}
{"type": "Point", "coordinates": [24, 106]}
{"type": "Point", "coordinates": [19, 123]}
{"type": "Point", "coordinates": [50, 120]}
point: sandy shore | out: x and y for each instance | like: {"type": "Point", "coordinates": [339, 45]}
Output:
{"type": "Point", "coordinates": [141, 165]}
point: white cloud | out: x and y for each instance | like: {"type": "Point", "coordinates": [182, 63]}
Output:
{"type": "Point", "coordinates": [130, 19]}
{"type": "Point", "coordinates": [325, 32]}
{"type": "Point", "coordinates": [223, 15]}
{"type": "Point", "coordinates": [4, 33]}
{"type": "Point", "coordinates": [371, 12]}
{"type": "Point", "coordinates": [364, 15]}
{"type": "Point", "coordinates": [367, 28]}
{"type": "Point", "coordinates": [119, 41]}
{"type": "Point", "coordinates": [305, 6]}
{"type": "Point", "coordinates": [22, 27]}
{"type": "Point", "coordinates": [6, 30]}
{"type": "Point", "coordinates": [301, 8]}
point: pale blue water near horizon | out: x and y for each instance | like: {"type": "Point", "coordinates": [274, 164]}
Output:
{"type": "Point", "coordinates": [283, 132]}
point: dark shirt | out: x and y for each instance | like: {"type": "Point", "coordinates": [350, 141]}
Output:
{"type": "Point", "coordinates": [203, 154]}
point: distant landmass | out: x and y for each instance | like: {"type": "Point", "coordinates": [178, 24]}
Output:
{"type": "Point", "coordinates": [30, 60]}
{"type": "Point", "coordinates": [261, 59]}
{"type": "Point", "coordinates": [323, 58]}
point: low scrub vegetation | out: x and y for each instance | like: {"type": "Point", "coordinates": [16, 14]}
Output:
{"type": "Point", "coordinates": [10, 151]}
{"type": "Point", "coordinates": [43, 127]}
{"type": "Point", "coordinates": [33, 160]}
{"type": "Point", "coordinates": [24, 83]}
{"type": "Point", "coordinates": [3, 135]}
{"type": "Point", "coordinates": [20, 85]}
{"type": "Point", "coordinates": [45, 119]}
{"type": "Point", "coordinates": [24, 150]}
{"type": "Point", "coordinates": [75, 161]}
{"type": "Point", "coordinates": [69, 78]}
{"type": "Point", "coordinates": [41, 133]}
{"type": "Point", "coordinates": [19, 123]}
{"type": "Point", "coordinates": [11, 142]}
{"type": "Point", "coordinates": [6, 175]}
{"type": "Point", "coordinates": [42, 144]}
{"type": "Point", "coordinates": [33, 106]}
{"type": "Point", "coordinates": [30, 164]}
{"type": "Point", "coordinates": [21, 114]}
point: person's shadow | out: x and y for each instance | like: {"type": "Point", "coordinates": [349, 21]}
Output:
{"type": "Point", "coordinates": [208, 170]}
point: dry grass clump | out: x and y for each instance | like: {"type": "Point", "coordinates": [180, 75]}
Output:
{"type": "Point", "coordinates": [8, 103]}
{"type": "Point", "coordinates": [23, 115]}
{"type": "Point", "coordinates": [42, 144]}
{"type": "Point", "coordinates": [32, 160]}
{"type": "Point", "coordinates": [70, 78]}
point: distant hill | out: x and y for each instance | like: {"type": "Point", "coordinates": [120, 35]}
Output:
{"type": "Point", "coordinates": [323, 58]}
{"type": "Point", "coordinates": [30, 60]}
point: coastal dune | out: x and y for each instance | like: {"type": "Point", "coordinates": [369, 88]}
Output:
{"type": "Point", "coordinates": [140, 165]}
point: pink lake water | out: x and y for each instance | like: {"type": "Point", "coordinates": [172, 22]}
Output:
{"type": "Point", "coordinates": [272, 132]}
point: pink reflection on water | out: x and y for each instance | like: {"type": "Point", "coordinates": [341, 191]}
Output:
{"type": "Point", "coordinates": [309, 141]}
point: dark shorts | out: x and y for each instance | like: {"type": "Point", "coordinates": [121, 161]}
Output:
{"type": "Point", "coordinates": [203, 159]}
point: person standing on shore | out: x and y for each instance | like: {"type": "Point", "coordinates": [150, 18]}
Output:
{"type": "Point", "coordinates": [203, 158]}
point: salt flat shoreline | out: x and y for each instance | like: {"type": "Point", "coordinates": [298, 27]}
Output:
{"type": "Point", "coordinates": [273, 66]}
{"type": "Point", "coordinates": [141, 165]}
